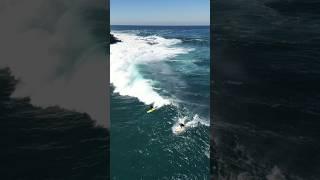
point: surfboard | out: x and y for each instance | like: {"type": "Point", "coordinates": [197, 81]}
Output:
{"type": "Point", "coordinates": [178, 129]}
{"type": "Point", "coordinates": [151, 110]}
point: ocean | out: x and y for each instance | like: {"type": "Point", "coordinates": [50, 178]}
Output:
{"type": "Point", "coordinates": [167, 67]}
{"type": "Point", "coordinates": [266, 103]}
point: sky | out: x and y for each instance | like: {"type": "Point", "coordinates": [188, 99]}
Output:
{"type": "Point", "coordinates": [160, 12]}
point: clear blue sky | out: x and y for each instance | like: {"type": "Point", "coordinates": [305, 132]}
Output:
{"type": "Point", "coordinates": [160, 12]}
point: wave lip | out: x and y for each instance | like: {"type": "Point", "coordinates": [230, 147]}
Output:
{"type": "Point", "coordinates": [135, 50]}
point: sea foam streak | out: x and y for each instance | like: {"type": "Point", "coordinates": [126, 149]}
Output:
{"type": "Point", "coordinates": [135, 50]}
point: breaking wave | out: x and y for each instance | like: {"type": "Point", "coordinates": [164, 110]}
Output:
{"type": "Point", "coordinates": [136, 50]}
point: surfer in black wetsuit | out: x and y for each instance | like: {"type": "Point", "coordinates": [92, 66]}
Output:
{"type": "Point", "coordinates": [181, 125]}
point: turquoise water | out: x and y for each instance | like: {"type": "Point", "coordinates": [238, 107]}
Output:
{"type": "Point", "coordinates": [168, 67]}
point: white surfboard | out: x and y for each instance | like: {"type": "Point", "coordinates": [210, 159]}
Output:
{"type": "Point", "coordinates": [178, 129]}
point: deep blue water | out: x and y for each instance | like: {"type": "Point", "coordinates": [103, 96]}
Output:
{"type": "Point", "coordinates": [168, 67]}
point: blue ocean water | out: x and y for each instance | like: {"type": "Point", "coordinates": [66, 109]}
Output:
{"type": "Point", "coordinates": [266, 90]}
{"type": "Point", "coordinates": [167, 67]}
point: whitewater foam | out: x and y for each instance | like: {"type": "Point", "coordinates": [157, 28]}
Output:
{"type": "Point", "coordinates": [195, 121]}
{"type": "Point", "coordinates": [134, 50]}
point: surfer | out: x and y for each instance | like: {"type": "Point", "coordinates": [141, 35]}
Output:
{"type": "Point", "coordinates": [181, 125]}
{"type": "Point", "coordinates": [179, 128]}
{"type": "Point", "coordinates": [152, 108]}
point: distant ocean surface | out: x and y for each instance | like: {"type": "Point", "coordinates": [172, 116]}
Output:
{"type": "Point", "coordinates": [168, 67]}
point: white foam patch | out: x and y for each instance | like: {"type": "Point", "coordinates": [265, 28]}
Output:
{"type": "Point", "coordinates": [135, 50]}
{"type": "Point", "coordinates": [194, 122]}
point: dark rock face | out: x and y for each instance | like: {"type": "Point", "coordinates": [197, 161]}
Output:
{"type": "Point", "coordinates": [113, 39]}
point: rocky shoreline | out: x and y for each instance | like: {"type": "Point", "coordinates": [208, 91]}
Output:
{"type": "Point", "coordinates": [113, 39]}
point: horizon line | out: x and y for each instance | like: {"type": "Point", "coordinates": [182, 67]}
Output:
{"type": "Point", "coordinates": [154, 25]}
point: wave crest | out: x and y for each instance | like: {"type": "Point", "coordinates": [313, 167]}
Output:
{"type": "Point", "coordinates": [135, 50]}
